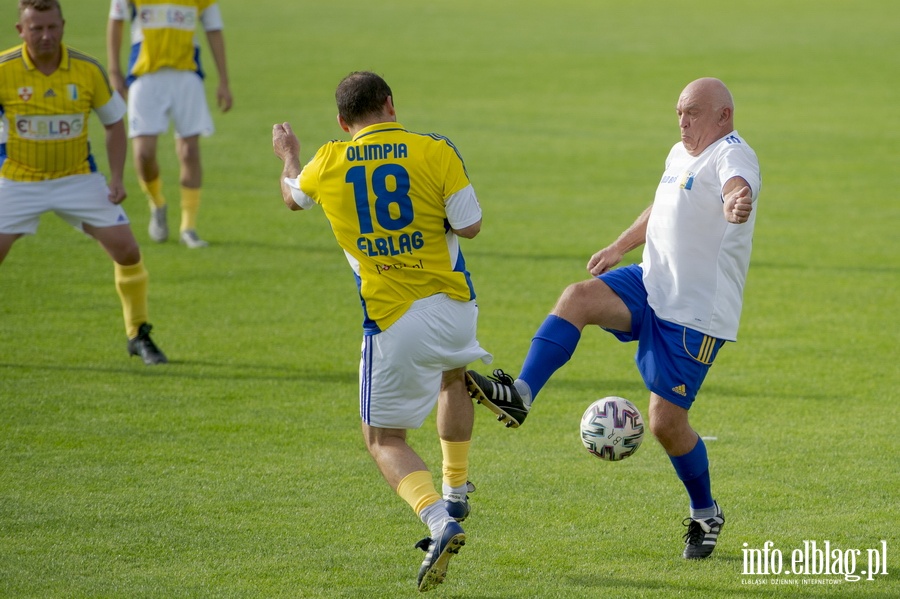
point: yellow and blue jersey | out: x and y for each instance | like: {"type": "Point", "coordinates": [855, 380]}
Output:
{"type": "Point", "coordinates": [163, 33]}
{"type": "Point", "coordinates": [385, 193]}
{"type": "Point", "coordinates": [44, 117]}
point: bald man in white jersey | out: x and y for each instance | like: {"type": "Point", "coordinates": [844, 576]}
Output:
{"type": "Point", "coordinates": [681, 304]}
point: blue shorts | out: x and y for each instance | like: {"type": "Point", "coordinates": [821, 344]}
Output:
{"type": "Point", "coordinates": [672, 359]}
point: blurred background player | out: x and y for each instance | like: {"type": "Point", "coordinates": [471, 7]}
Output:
{"type": "Point", "coordinates": [398, 202]}
{"type": "Point", "coordinates": [164, 83]}
{"type": "Point", "coordinates": [47, 91]}
{"type": "Point", "coordinates": [681, 304]}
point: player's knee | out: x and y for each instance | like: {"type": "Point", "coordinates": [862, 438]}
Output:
{"type": "Point", "coordinates": [126, 253]}
{"type": "Point", "coordinates": [578, 304]}
{"type": "Point", "coordinates": [661, 429]}
{"type": "Point", "coordinates": [671, 429]}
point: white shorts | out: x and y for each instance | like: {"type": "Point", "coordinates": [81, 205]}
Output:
{"type": "Point", "coordinates": [400, 370]}
{"type": "Point", "coordinates": [77, 199]}
{"type": "Point", "coordinates": [168, 95]}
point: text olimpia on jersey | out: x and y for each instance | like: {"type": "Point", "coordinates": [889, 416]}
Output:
{"type": "Point", "coordinates": [386, 194]}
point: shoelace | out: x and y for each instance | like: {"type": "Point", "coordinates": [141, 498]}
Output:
{"type": "Point", "coordinates": [502, 378]}
{"type": "Point", "coordinates": [695, 533]}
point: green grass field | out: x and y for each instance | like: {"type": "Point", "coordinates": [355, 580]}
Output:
{"type": "Point", "coordinates": [238, 470]}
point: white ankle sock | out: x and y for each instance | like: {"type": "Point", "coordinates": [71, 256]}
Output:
{"type": "Point", "coordinates": [524, 391]}
{"type": "Point", "coordinates": [448, 490]}
{"type": "Point", "coordinates": [435, 516]}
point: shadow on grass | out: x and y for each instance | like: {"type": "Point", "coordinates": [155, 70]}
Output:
{"type": "Point", "coordinates": [202, 370]}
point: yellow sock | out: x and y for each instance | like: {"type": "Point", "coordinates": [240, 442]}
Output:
{"type": "Point", "coordinates": [153, 191]}
{"type": "Point", "coordinates": [417, 489]}
{"type": "Point", "coordinates": [190, 206]}
{"type": "Point", "coordinates": [131, 285]}
{"type": "Point", "coordinates": [456, 462]}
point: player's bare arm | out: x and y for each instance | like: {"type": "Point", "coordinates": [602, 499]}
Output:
{"type": "Point", "coordinates": [633, 237]}
{"type": "Point", "coordinates": [470, 231]}
{"type": "Point", "coordinates": [286, 146]}
{"type": "Point", "coordinates": [217, 47]}
{"type": "Point", "coordinates": [116, 150]}
{"type": "Point", "coordinates": [737, 200]}
{"type": "Point", "coordinates": [114, 29]}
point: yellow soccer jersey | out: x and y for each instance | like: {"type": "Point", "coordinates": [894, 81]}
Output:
{"type": "Point", "coordinates": [45, 117]}
{"type": "Point", "coordinates": [163, 33]}
{"type": "Point", "coordinates": [384, 194]}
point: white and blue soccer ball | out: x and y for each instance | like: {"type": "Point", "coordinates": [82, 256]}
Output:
{"type": "Point", "coordinates": [612, 428]}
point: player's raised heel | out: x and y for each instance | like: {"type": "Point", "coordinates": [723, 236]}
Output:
{"type": "Point", "coordinates": [498, 394]}
{"type": "Point", "coordinates": [438, 553]}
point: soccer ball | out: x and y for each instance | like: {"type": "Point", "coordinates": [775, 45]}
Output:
{"type": "Point", "coordinates": [612, 428]}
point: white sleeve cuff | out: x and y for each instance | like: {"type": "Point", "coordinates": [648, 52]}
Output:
{"type": "Point", "coordinates": [300, 198]}
{"type": "Point", "coordinates": [112, 111]}
{"type": "Point", "coordinates": [463, 208]}
{"type": "Point", "coordinates": [212, 19]}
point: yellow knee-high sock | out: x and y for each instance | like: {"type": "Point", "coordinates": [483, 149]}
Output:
{"type": "Point", "coordinates": [131, 285]}
{"type": "Point", "coordinates": [456, 462]}
{"type": "Point", "coordinates": [417, 489]}
{"type": "Point", "coordinates": [190, 206]}
{"type": "Point", "coordinates": [153, 191]}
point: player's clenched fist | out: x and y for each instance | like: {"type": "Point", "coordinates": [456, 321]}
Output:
{"type": "Point", "coordinates": [738, 206]}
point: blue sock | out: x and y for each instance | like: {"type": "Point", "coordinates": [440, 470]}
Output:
{"type": "Point", "coordinates": [552, 346]}
{"type": "Point", "coordinates": [693, 470]}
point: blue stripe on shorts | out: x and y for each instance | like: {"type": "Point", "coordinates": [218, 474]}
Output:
{"type": "Point", "coordinates": [365, 380]}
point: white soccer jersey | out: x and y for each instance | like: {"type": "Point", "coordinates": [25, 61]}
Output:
{"type": "Point", "coordinates": [695, 262]}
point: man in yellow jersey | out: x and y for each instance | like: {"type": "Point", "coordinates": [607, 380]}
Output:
{"type": "Point", "coordinates": [398, 202]}
{"type": "Point", "coordinates": [163, 83]}
{"type": "Point", "coordinates": [47, 91]}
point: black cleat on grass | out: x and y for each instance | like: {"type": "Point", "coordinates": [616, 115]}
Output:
{"type": "Point", "coordinates": [702, 535]}
{"type": "Point", "coordinates": [142, 345]}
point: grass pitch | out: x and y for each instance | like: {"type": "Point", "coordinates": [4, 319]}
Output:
{"type": "Point", "coordinates": [238, 469]}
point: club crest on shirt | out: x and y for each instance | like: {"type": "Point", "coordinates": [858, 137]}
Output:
{"type": "Point", "coordinates": [72, 91]}
{"type": "Point", "coordinates": [25, 93]}
{"type": "Point", "coordinates": [687, 180]}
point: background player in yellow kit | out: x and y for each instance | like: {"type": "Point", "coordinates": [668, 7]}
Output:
{"type": "Point", "coordinates": [164, 82]}
{"type": "Point", "coordinates": [398, 202]}
{"type": "Point", "coordinates": [47, 91]}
